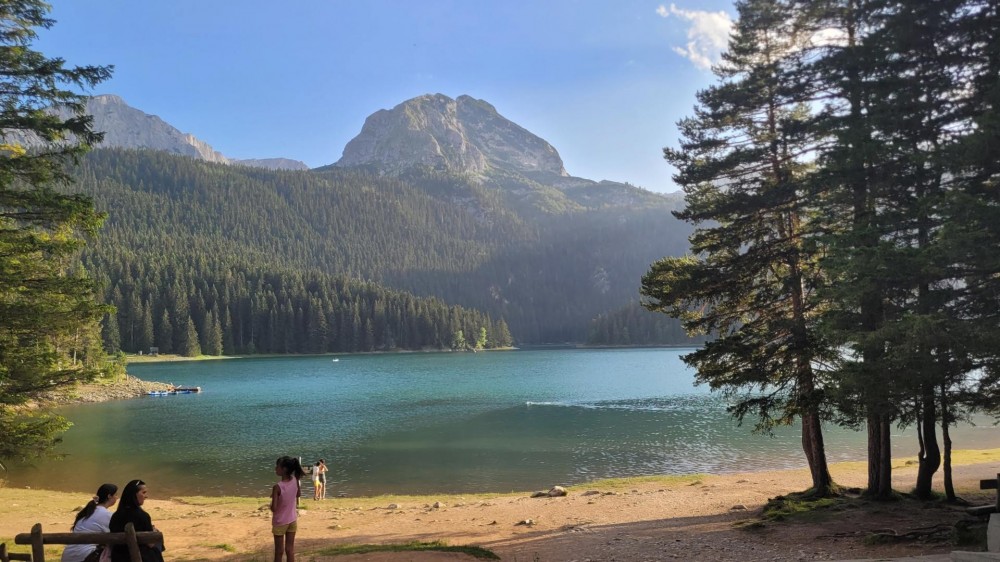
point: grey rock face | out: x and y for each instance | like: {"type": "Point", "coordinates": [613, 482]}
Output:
{"type": "Point", "coordinates": [460, 135]}
{"type": "Point", "coordinates": [127, 127]}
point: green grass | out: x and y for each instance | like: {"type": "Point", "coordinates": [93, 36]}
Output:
{"type": "Point", "coordinates": [414, 546]}
{"type": "Point", "coordinates": [799, 506]}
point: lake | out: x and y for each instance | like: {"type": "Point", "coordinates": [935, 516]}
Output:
{"type": "Point", "coordinates": [425, 423]}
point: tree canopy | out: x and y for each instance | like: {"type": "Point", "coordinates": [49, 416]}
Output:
{"type": "Point", "coordinates": [49, 312]}
{"type": "Point", "coordinates": [846, 208]}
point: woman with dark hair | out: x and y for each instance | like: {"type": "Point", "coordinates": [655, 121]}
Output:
{"type": "Point", "coordinates": [93, 518]}
{"type": "Point", "coordinates": [130, 511]}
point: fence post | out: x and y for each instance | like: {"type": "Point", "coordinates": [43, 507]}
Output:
{"type": "Point", "coordinates": [37, 547]}
{"type": "Point", "coordinates": [998, 494]}
{"type": "Point", "coordinates": [132, 542]}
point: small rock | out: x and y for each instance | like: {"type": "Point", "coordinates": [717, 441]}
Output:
{"type": "Point", "coordinates": [738, 507]}
{"type": "Point", "coordinates": [392, 506]}
{"type": "Point", "coordinates": [591, 493]}
{"type": "Point", "coordinates": [528, 522]}
{"type": "Point", "coordinates": [438, 505]}
{"type": "Point", "coordinates": [557, 492]}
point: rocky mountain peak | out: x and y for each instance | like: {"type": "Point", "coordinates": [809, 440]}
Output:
{"type": "Point", "coordinates": [463, 135]}
{"type": "Point", "coordinates": [127, 127]}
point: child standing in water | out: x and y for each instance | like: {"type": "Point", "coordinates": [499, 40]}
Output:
{"type": "Point", "coordinates": [317, 482]}
{"type": "Point", "coordinates": [284, 503]}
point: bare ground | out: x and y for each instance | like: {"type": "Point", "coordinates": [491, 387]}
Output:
{"type": "Point", "coordinates": [696, 518]}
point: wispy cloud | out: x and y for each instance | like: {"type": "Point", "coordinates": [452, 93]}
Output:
{"type": "Point", "coordinates": [708, 34]}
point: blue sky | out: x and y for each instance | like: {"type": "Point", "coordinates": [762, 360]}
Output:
{"type": "Point", "coordinates": [602, 81]}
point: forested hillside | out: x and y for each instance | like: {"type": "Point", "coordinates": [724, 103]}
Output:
{"type": "Point", "coordinates": [634, 325]}
{"type": "Point", "coordinates": [279, 261]}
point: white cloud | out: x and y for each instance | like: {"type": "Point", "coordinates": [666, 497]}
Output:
{"type": "Point", "coordinates": [708, 34]}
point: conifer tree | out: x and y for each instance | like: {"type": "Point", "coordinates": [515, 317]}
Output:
{"type": "Point", "coordinates": [886, 92]}
{"type": "Point", "coordinates": [189, 345]}
{"type": "Point", "coordinates": [970, 232]}
{"type": "Point", "coordinates": [146, 332]}
{"type": "Point", "coordinates": [44, 298]}
{"type": "Point", "coordinates": [211, 334]}
{"type": "Point", "coordinates": [752, 277]}
{"type": "Point", "coordinates": [165, 333]}
{"type": "Point", "coordinates": [110, 334]}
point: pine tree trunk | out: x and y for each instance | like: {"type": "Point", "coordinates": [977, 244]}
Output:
{"type": "Point", "coordinates": [879, 457]}
{"type": "Point", "coordinates": [874, 455]}
{"type": "Point", "coordinates": [930, 458]}
{"type": "Point", "coordinates": [949, 485]}
{"type": "Point", "coordinates": [815, 450]}
{"type": "Point", "coordinates": [885, 478]}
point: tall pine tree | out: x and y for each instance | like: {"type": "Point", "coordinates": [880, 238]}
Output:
{"type": "Point", "coordinates": [752, 279]}
{"type": "Point", "coordinates": [45, 300]}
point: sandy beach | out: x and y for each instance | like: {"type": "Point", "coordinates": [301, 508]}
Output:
{"type": "Point", "coordinates": [710, 517]}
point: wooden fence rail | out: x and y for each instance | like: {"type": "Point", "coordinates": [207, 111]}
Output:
{"type": "Point", "coordinates": [38, 540]}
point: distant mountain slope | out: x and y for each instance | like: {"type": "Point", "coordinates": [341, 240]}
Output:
{"type": "Point", "coordinates": [546, 278]}
{"type": "Point", "coordinates": [437, 197]}
{"type": "Point", "coordinates": [272, 163]}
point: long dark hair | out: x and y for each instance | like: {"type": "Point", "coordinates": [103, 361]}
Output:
{"type": "Point", "coordinates": [291, 467]}
{"type": "Point", "coordinates": [103, 493]}
{"type": "Point", "coordinates": [127, 499]}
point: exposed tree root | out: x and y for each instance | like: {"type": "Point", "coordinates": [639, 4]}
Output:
{"type": "Point", "coordinates": [940, 532]}
{"type": "Point", "coordinates": [935, 533]}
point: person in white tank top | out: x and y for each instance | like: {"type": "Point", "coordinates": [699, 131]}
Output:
{"type": "Point", "coordinates": [93, 518]}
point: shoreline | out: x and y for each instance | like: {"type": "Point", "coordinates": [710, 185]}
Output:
{"type": "Point", "coordinates": [171, 358]}
{"type": "Point", "coordinates": [857, 470]}
{"type": "Point", "coordinates": [696, 517]}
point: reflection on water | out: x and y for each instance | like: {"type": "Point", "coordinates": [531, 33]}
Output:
{"type": "Point", "coordinates": [425, 423]}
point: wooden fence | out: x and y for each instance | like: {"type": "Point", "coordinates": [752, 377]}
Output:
{"type": "Point", "coordinates": [38, 540]}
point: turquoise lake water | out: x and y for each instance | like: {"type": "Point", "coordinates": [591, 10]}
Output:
{"type": "Point", "coordinates": [425, 423]}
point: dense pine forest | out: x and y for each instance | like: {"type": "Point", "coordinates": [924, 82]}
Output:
{"type": "Point", "coordinates": [218, 259]}
{"type": "Point", "coordinates": [634, 325]}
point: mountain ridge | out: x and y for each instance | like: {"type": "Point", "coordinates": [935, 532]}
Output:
{"type": "Point", "coordinates": [125, 126]}
{"type": "Point", "coordinates": [465, 136]}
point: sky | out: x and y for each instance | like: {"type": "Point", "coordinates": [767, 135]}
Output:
{"type": "Point", "coordinates": [603, 81]}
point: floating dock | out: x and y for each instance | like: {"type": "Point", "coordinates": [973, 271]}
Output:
{"type": "Point", "coordinates": [176, 390]}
